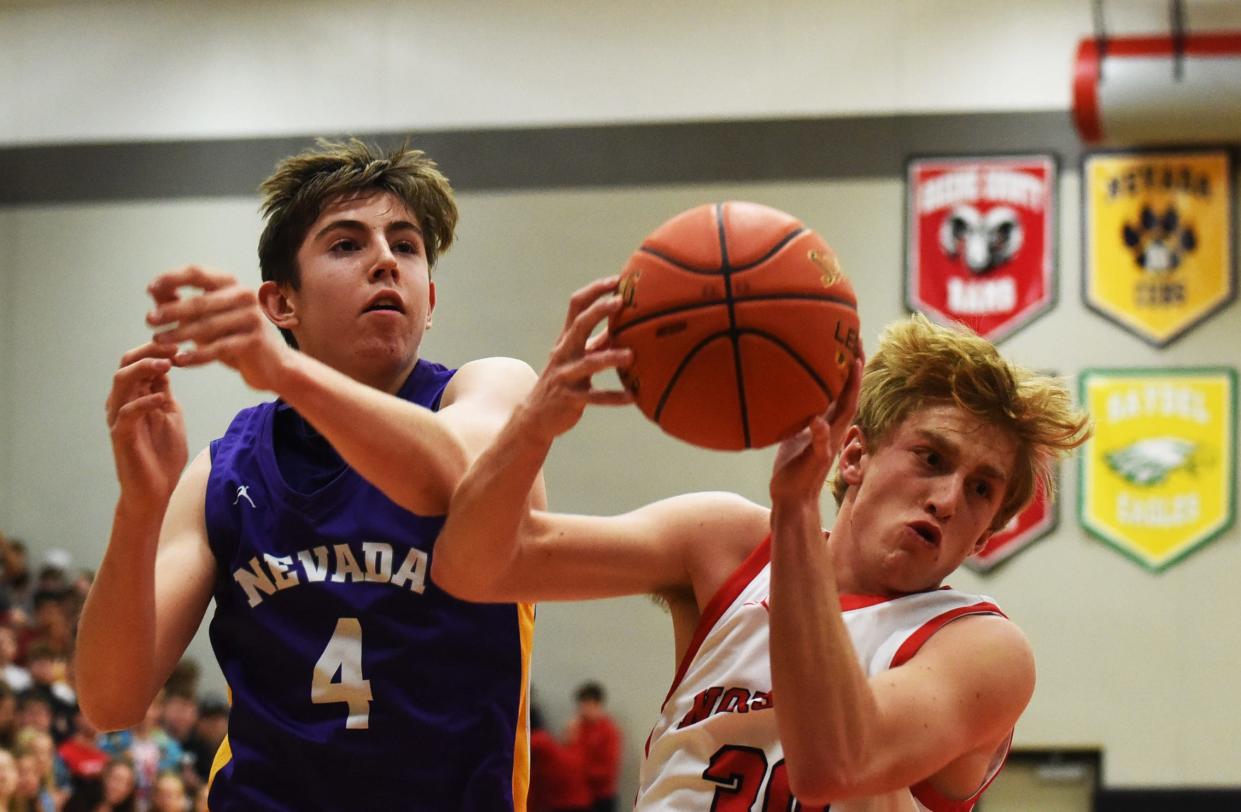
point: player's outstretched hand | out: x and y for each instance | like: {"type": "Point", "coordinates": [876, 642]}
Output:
{"type": "Point", "coordinates": [804, 458]}
{"type": "Point", "coordinates": [564, 389]}
{"type": "Point", "coordinates": [224, 322]}
{"type": "Point", "coordinates": [146, 426]}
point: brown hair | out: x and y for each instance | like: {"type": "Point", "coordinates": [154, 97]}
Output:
{"type": "Point", "coordinates": [919, 363]}
{"type": "Point", "coordinates": [304, 184]}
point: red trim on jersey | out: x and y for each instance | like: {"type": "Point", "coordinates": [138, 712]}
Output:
{"type": "Point", "coordinates": [916, 640]}
{"type": "Point", "coordinates": [927, 795]}
{"type": "Point", "coordinates": [1086, 91]}
{"type": "Point", "coordinates": [935, 801]}
{"type": "Point", "coordinates": [723, 598]}
{"type": "Point", "coordinates": [850, 602]}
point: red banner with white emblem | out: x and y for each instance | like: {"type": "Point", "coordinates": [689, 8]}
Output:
{"type": "Point", "coordinates": [1038, 519]}
{"type": "Point", "coordinates": [980, 244]}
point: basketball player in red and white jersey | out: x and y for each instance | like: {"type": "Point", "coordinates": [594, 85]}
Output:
{"type": "Point", "coordinates": [833, 667]}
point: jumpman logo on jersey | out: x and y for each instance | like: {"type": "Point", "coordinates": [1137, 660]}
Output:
{"type": "Point", "coordinates": [243, 492]}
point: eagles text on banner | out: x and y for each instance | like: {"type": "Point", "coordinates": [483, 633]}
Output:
{"type": "Point", "coordinates": [1158, 476]}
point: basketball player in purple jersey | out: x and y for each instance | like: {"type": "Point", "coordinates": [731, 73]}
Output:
{"type": "Point", "coordinates": [356, 682]}
{"type": "Point", "coordinates": [831, 667]}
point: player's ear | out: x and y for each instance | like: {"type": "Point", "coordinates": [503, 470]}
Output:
{"type": "Point", "coordinates": [981, 543]}
{"type": "Point", "coordinates": [277, 305]}
{"type": "Point", "coordinates": [852, 456]}
{"type": "Point", "coordinates": [431, 302]}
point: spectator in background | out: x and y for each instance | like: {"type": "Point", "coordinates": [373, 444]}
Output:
{"type": "Point", "coordinates": [150, 750]}
{"type": "Point", "coordinates": [50, 626]}
{"type": "Point", "coordinates": [557, 777]}
{"type": "Point", "coordinates": [31, 794]}
{"type": "Point", "coordinates": [595, 735]}
{"type": "Point", "coordinates": [179, 718]}
{"type": "Point", "coordinates": [115, 792]}
{"type": "Point", "coordinates": [15, 581]}
{"type": "Point", "coordinates": [54, 574]}
{"type": "Point", "coordinates": [48, 671]}
{"type": "Point", "coordinates": [14, 675]}
{"type": "Point", "coordinates": [53, 775]}
{"type": "Point", "coordinates": [8, 717]}
{"type": "Point", "coordinates": [34, 713]}
{"type": "Point", "coordinates": [8, 780]}
{"type": "Point", "coordinates": [209, 732]}
{"type": "Point", "coordinates": [170, 794]}
{"type": "Point", "coordinates": [81, 752]}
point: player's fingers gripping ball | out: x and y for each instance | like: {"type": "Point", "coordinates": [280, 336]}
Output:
{"type": "Point", "coordinates": [741, 322]}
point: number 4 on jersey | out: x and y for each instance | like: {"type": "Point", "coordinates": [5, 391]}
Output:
{"type": "Point", "coordinates": [343, 655]}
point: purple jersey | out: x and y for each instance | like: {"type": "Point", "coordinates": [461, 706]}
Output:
{"type": "Point", "coordinates": [355, 682]}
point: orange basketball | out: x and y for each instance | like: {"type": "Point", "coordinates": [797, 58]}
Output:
{"type": "Point", "coordinates": [742, 325]}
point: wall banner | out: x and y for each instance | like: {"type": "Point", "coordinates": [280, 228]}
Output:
{"type": "Point", "coordinates": [1157, 479]}
{"type": "Point", "coordinates": [1039, 518]}
{"type": "Point", "coordinates": [980, 240]}
{"type": "Point", "coordinates": [1158, 239]}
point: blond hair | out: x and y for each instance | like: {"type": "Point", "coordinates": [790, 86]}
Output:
{"type": "Point", "coordinates": [919, 363]}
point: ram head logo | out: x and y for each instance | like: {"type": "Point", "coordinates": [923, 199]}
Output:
{"type": "Point", "coordinates": [984, 241]}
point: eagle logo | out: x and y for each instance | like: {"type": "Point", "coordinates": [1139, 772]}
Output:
{"type": "Point", "coordinates": [1149, 462]}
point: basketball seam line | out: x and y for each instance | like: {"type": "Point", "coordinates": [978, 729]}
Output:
{"type": "Point", "coordinates": [785, 240]}
{"type": "Point", "coordinates": [760, 297]}
{"type": "Point", "coordinates": [734, 338]}
{"type": "Point", "coordinates": [697, 348]}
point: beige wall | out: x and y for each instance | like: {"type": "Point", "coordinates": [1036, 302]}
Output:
{"type": "Point", "coordinates": [75, 71]}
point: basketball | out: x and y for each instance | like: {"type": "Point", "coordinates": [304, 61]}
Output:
{"type": "Point", "coordinates": [742, 325]}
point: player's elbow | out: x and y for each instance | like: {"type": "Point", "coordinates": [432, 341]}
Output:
{"type": "Point", "coordinates": [818, 788]}
{"type": "Point", "coordinates": [463, 579]}
{"type": "Point", "coordinates": [825, 780]}
{"type": "Point", "coordinates": [109, 710]}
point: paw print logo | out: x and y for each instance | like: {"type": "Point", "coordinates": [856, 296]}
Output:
{"type": "Point", "coordinates": [1159, 241]}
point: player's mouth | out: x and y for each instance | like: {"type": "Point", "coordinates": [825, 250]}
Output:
{"type": "Point", "coordinates": [927, 531]}
{"type": "Point", "coordinates": [385, 300]}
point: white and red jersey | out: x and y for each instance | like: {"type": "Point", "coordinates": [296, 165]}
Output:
{"type": "Point", "coordinates": [716, 746]}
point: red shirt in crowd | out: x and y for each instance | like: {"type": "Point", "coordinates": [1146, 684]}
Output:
{"type": "Point", "coordinates": [599, 742]}
{"type": "Point", "coordinates": [557, 777]}
{"type": "Point", "coordinates": [82, 759]}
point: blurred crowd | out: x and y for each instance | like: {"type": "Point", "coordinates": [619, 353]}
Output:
{"type": "Point", "coordinates": [51, 758]}
{"type": "Point", "coordinates": [578, 771]}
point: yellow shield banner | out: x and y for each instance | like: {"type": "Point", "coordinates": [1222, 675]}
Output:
{"type": "Point", "coordinates": [1158, 476]}
{"type": "Point", "coordinates": [1158, 239]}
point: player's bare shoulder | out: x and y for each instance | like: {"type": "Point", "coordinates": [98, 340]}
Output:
{"type": "Point", "coordinates": [715, 531]}
{"type": "Point", "coordinates": [494, 380]}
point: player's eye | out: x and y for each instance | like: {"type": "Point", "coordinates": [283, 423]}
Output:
{"type": "Point", "coordinates": [930, 457]}
{"type": "Point", "coordinates": [406, 247]}
{"type": "Point", "coordinates": [983, 488]}
{"type": "Point", "coordinates": [344, 246]}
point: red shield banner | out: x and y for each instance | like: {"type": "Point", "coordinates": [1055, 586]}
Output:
{"type": "Point", "coordinates": [1037, 520]}
{"type": "Point", "coordinates": [980, 245]}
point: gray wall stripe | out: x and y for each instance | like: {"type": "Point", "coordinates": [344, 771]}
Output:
{"type": "Point", "coordinates": [553, 157]}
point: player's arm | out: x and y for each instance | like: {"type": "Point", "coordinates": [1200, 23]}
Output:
{"type": "Point", "coordinates": [416, 456]}
{"type": "Point", "coordinates": [943, 715]}
{"type": "Point", "coordinates": [155, 581]}
{"type": "Point", "coordinates": [495, 547]}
